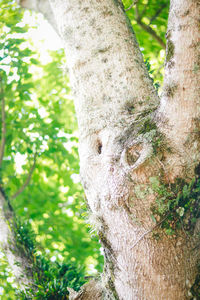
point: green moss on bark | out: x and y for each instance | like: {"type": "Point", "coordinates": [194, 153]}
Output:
{"type": "Point", "coordinates": [169, 50]}
{"type": "Point", "coordinates": [177, 204]}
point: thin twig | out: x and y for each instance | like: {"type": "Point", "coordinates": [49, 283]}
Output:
{"type": "Point", "coordinates": [137, 14]}
{"type": "Point", "coordinates": [21, 189]}
{"type": "Point", "coordinates": [148, 29]}
{"type": "Point", "coordinates": [145, 8]}
{"type": "Point", "coordinates": [134, 3]}
{"type": "Point", "coordinates": [3, 124]}
{"type": "Point", "coordinates": [150, 230]}
{"type": "Point", "coordinates": [157, 13]}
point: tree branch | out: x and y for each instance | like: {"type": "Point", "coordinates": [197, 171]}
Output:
{"type": "Point", "coordinates": [157, 13]}
{"type": "Point", "coordinates": [22, 188]}
{"type": "Point", "coordinates": [180, 96]}
{"type": "Point", "coordinates": [134, 2]}
{"type": "Point", "coordinates": [145, 8]}
{"type": "Point", "coordinates": [148, 29]}
{"type": "Point", "coordinates": [3, 122]}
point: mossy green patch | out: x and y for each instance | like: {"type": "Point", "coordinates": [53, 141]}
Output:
{"type": "Point", "coordinates": [177, 204]}
{"type": "Point", "coordinates": [169, 50]}
{"type": "Point", "coordinates": [170, 90]}
{"type": "Point", "coordinates": [150, 132]}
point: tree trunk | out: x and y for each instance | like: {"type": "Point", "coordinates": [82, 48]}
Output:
{"type": "Point", "coordinates": [19, 264]}
{"type": "Point", "coordinates": [128, 146]}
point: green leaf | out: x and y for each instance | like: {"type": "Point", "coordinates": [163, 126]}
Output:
{"type": "Point", "coordinates": [18, 29]}
{"type": "Point", "coordinates": [34, 61]}
{"type": "Point", "coordinates": [153, 219]}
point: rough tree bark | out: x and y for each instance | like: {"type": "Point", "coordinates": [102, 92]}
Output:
{"type": "Point", "coordinates": [121, 120]}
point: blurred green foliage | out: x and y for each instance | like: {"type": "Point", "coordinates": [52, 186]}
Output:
{"type": "Point", "coordinates": [153, 14]}
{"type": "Point", "coordinates": [51, 278]}
{"type": "Point", "coordinates": [7, 279]}
{"type": "Point", "coordinates": [41, 127]}
{"type": "Point", "coordinates": [41, 156]}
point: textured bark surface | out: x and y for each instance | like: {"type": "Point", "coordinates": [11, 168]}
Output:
{"type": "Point", "coordinates": [90, 291]}
{"type": "Point", "coordinates": [180, 102]}
{"type": "Point", "coordinates": [114, 96]}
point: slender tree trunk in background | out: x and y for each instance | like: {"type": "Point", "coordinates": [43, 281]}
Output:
{"type": "Point", "coordinates": [125, 136]}
{"type": "Point", "coordinates": [19, 264]}
{"type": "Point", "coordinates": [42, 7]}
